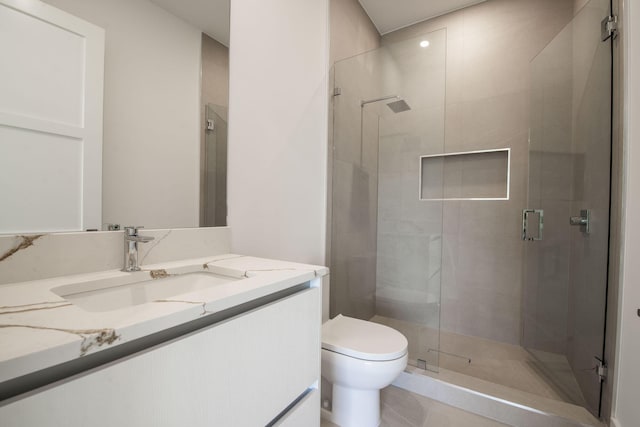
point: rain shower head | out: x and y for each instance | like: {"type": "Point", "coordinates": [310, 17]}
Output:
{"type": "Point", "coordinates": [396, 106]}
{"type": "Point", "coordinates": [399, 106]}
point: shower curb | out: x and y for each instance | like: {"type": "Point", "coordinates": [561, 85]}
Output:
{"type": "Point", "coordinates": [482, 404]}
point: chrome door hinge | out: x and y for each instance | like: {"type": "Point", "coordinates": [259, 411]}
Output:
{"type": "Point", "coordinates": [609, 28]}
{"type": "Point", "coordinates": [337, 91]}
{"type": "Point", "coordinates": [601, 369]}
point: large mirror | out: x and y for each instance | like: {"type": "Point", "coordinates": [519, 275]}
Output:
{"type": "Point", "coordinates": [164, 110]}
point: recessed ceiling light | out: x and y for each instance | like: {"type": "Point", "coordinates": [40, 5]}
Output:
{"type": "Point", "coordinates": [424, 43]}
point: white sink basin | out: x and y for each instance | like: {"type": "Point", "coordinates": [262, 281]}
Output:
{"type": "Point", "coordinates": [134, 289]}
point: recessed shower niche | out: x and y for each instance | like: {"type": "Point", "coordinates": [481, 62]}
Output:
{"type": "Point", "coordinates": [470, 175]}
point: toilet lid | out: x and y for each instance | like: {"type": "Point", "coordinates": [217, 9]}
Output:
{"type": "Point", "coordinates": [362, 339]}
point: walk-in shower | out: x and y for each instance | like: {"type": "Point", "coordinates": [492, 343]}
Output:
{"type": "Point", "coordinates": [437, 150]}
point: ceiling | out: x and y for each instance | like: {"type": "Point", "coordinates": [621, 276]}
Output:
{"type": "Point", "coordinates": [389, 16]}
{"type": "Point", "coordinates": [210, 16]}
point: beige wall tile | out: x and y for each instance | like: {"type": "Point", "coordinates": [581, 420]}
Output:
{"type": "Point", "coordinates": [488, 87]}
{"type": "Point", "coordinates": [487, 104]}
{"type": "Point", "coordinates": [351, 30]}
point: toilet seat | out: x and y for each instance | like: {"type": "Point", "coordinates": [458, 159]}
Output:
{"type": "Point", "coordinates": [362, 340]}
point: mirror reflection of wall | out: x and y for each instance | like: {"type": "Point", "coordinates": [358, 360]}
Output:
{"type": "Point", "coordinates": [154, 127]}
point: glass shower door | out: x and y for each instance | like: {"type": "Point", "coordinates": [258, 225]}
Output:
{"type": "Point", "coordinates": [386, 242]}
{"type": "Point", "coordinates": [567, 223]}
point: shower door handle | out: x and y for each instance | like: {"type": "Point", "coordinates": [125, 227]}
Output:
{"type": "Point", "coordinates": [525, 223]}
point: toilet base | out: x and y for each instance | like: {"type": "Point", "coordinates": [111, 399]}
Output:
{"type": "Point", "coordinates": [355, 408]}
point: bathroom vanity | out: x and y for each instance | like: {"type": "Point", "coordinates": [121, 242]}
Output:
{"type": "Point", "coordinates": [227, 340]}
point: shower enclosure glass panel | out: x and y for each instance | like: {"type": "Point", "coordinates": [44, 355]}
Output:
{"type": "Point", "coordinates": [386, 243]}
{"type": "Point", "coordinates": [565, 273]}
{"type": "Point", "coordinates": [214, 181]}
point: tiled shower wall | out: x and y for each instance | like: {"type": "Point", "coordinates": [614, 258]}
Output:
{"type": "Point", "coordinates": [355, 195]}
{"type": "Point", "coordinates": [489, 49]}
{"type": "Point", "coordinates": [488, 91]}
{"type": "Point", "coordinates": [568, 172]}
{"type": "Point", "coordinates": [409, 243]}
{"type": "Point", "coordinates": [351, 245]}
{"type": "Point", "coordinates": [215, 72]}
{"type": "Point", "coordinates": [566, 272]}
{"type": "Point", "coordinates": [352, 32]}
{"type": "Point", "coordinates": [551, 164]}
{"type": "Point", "coordinates": [214, 90]}
{"type": "Point", "coordinates": [592, 151]}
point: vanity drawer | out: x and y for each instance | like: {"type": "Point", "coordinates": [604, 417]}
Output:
{"type": "Point", "coordinates": [305, 413]}
{"type": "Point", "coordinates": [243, 371]}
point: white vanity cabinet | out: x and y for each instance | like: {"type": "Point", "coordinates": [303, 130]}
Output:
{"type": "Point", "coordinates": [260, 367]}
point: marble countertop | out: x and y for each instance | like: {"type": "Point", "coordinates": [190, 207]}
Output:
{"type": "Point", "coordinates": [39, 329]}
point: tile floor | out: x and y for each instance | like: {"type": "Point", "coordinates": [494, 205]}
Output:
{"type": "Point", "coordinates": [544, 374]}
{"type": "Point", "coordinates": [401, 408]}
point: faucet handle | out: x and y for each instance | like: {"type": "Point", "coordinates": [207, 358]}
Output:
{"type": "Point", "coordinates": [131, 235]}
{"type": "Point", "coordinates": [132, 230]}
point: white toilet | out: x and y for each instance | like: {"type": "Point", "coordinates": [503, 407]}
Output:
{"type": "Point", "coordinates": [359, 358]}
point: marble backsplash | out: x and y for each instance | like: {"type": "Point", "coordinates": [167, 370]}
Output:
{"type": "Point", "coordinates": [42, 256]}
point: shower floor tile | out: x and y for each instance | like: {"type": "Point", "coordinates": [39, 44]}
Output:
{"type": "Point", "coordinates": [544, 374]}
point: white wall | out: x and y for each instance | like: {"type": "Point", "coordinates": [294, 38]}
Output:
{"type": "Point", "coordinates": [278, 128]}
{"type": "Point", "coordinates": [151, 112]}
{"type": "Point", "coordinates": [626, 410]}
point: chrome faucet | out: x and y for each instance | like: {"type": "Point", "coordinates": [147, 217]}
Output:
{"type": "Point", "coordinates": [131, 240]}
